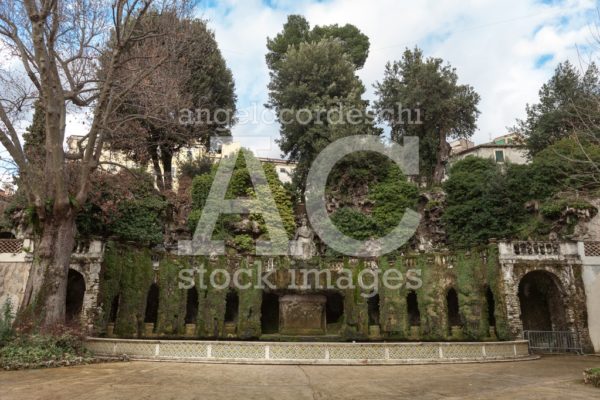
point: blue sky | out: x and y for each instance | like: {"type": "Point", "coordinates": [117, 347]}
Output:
{"type": "Point", "coordinates": [505, 49]}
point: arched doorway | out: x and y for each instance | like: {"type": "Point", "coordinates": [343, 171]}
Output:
{"type": "Point", "coordinates": [114, 309]}
{"type": "Point", "coordinates": [151, 315]}
{"type": "Point", "coordinates": [191, 307]}
{"type": "Point", "coordinates": [373, 310]}
{"type": "Point", "coordinates": [232, 304]}
{"type": "Point", "coordinates": [491, 306]}
{"type": "Point", "coordinates": [334, 311]}
{"type": "Point", "coordinates": [453, 308]}
{"type": "Point", "coordinates": [75, 293]}
{"type": "Point", "coordinates": [269, 313]}
{"type": "Point", "coordinates": [542, 307]}
{"type": "Point", "coordinates": [412, 309]}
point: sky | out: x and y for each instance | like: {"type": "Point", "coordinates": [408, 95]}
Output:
{"type": "Point", "coordinates": [505, 49]}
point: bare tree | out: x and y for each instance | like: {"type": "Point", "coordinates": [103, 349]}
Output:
{"type": "Point", "coordinates": [194, 80]}
{"type": "Point", "coordinates": [59, 45]}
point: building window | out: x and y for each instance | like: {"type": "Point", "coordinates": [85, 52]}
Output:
{"type": "Point", "coordinates": [499, 156]}
{"type": "Point", "coordinates": [281, 169]}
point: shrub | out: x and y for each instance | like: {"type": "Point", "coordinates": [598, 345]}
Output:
{"type": "Point", "coordinates": [591, 376]}
{"type": "Point", "coordinates": [6, 322]}
{"type": "Point", "coordinates": [43, 351]}
{"type": "Point", "coordinates": [355, 224]}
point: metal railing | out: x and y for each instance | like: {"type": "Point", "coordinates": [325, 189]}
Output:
{"type": "Point", "coordinates": [553, 342]}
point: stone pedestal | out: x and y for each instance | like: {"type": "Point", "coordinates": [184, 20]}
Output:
{"type": "Point", "coordinates": [374, 332]}
{"type": "Point", "coordinates": [190, 329]}
{"type": "Point", "coordinates": [456, 332]}
{"type": "Point", "coordinates": [302, 314]}
{"type": "Point", "coordinates": [149, 329]}
{"type": "Point", "coordinates": [415, 332]}
{"type": "Point", "coordinates": [230, 329]}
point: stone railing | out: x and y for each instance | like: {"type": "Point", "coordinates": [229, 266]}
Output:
{"type": "Point", "coordinates": [91, 249]}
{"type": "Point", "coordinates": [15, 250]}
{"type": "Point", "coordinates": [11, 245]}
{"type": "Point", "coordinates": [537, 250]}
{"type": "Point", "coordinates": [309, 352]}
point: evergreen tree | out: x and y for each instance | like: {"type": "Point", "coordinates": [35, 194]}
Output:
{"type": "Point", "coordinates": [297, 30]}
{"type": "Point", "coordinates": [312, 92]}
{"type": "Point", "coordinates": [438, 107]}
{"type": "Point", "coordinates": [568, 104]}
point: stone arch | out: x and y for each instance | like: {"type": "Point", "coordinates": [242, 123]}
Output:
{"type": "Point", "coordinates": [232, 305]}
{"type": "Point", "coordinates": [269, 313]}
{"type": "Point", "coordinates": [114, 309]}
{"type": "Point", "coordinates": [453, 308]}
{"type": "Point", "coordinates": [75, 294]}
{"type": "Point", "coordinates": [373, 309]}
{"type": "Point", "coordinates": [542, 302]}
{"type": "Point", "coordinates": [151, 314]}
{"type": "Point", "coordinates": [334, 307]}
{"type": "Point", "coordinates": [412, 309]}
{"type": "Point", "coordinates": [191, 306]}
{"type": "Point", "coordinates": [490, 303]}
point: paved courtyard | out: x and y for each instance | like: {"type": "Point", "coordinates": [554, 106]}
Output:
{"type": "Point", "coordinates": [553, 377]}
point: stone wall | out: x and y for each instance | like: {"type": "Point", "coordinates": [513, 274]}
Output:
{"type": "Point", "coordinates": [129, 273]}
{"type": "Point", "coordinates": [563, 263]}
{"type": "Point", "coordinates": [86, 259]}
{"type": "Point", "coordinates": [120, 274]}
{"type": "Point", "coordinates": [14, 270]}
{"type": "Point", "coordinates": [590, 255]}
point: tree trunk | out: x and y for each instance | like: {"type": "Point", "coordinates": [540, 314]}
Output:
{"type": "Point", "coordinates": [156, 166]}
{"type": "Point", "coordinates": [443, 152]}
{"type": "Point", "coordinates": [166, 156]}
{"type": "Point", "coordinates": [46, 288]}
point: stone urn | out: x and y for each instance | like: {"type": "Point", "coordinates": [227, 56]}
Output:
{"type": "Point", "coordinates": [456, 332]}
{"type": "Point", "coordinates": [110, 330]}
{"type": "Point", "coordinates": [230, 329]}
{"type": "Point", "coordinates": [374, 332]}
{"type": "Point", "coordinates": [190, 329]}
{"type": "Point", "coordinates": [415, 332]}
{"type": "Point", "coordinates": [149, 329]}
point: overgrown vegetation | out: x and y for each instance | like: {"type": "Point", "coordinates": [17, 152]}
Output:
{"type": "Point", "coordinates": [24, 350]}
{"type": "Point", "coordinates": [128, 276]}
{"type": "Point", "coordinates": [591, 376]}
{"type": "Point", "coordinates": [485, 200]}
{"type": "Point", "coordinates": [240, 231]}
{"type": "Point", "coordinates": [371, 193]}
{"type": "Point", "coordinates": [125, 206]}
{"type": "Point", "coordinates": [7, 317]}
{"type": "Point", "coordinates": [27, 351]}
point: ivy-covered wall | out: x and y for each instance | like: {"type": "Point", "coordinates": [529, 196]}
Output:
{"type": "Point", "coordinates": [127, 275]}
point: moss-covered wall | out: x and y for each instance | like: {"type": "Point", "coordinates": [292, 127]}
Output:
{"type": "Point", "coordinates": [128, 272]}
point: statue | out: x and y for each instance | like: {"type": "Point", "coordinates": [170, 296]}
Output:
{"type": "Point", "coordinates": [303, 247]}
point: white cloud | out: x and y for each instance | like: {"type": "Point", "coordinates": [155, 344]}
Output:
{"type": "Point", "coordinates": [493, 45]}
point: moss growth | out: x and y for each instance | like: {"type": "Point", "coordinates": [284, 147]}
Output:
{"type": "Point", "coordinates": [128, 273]}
